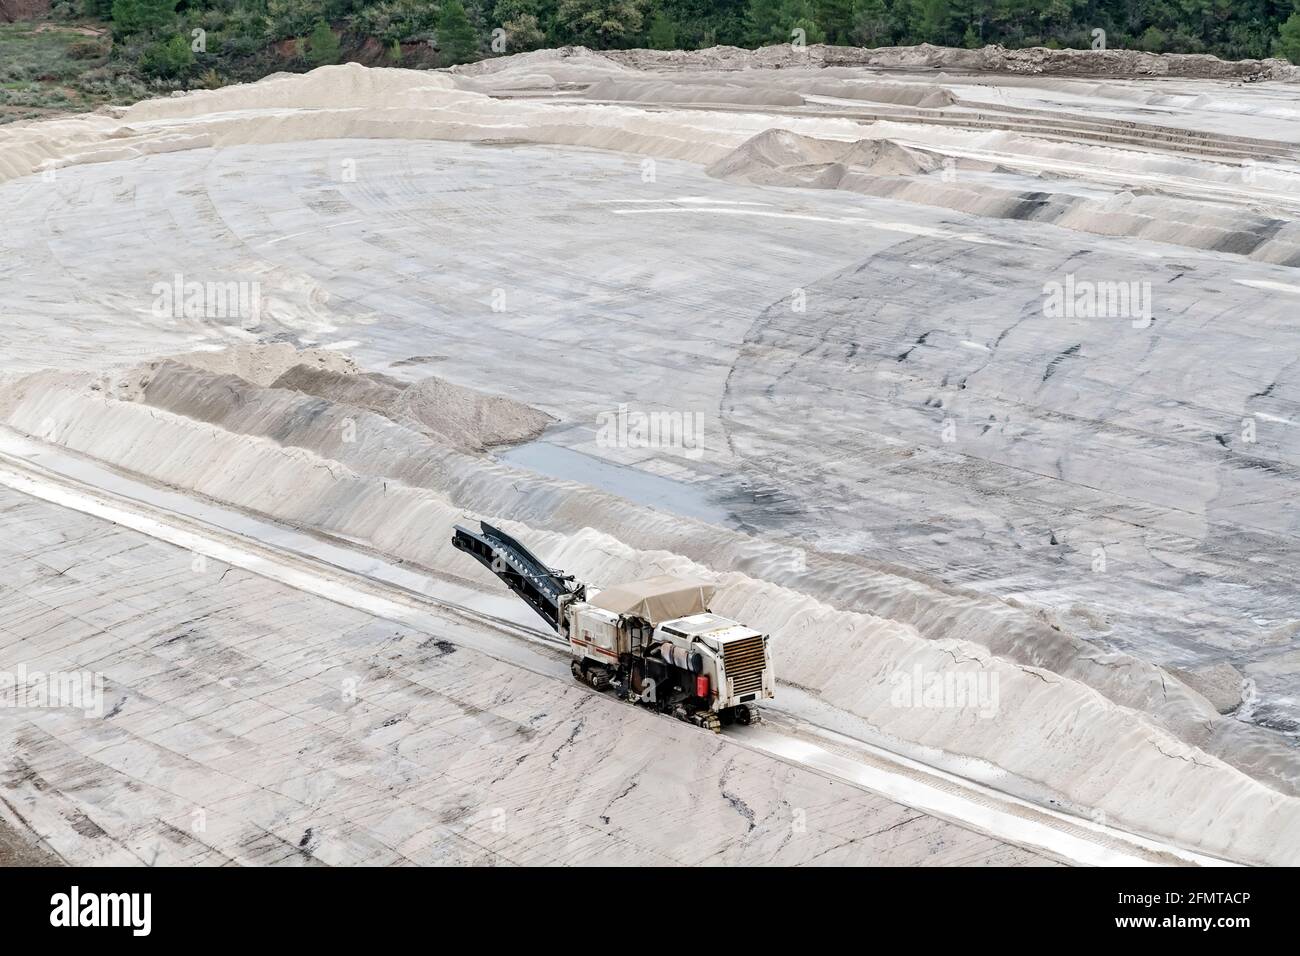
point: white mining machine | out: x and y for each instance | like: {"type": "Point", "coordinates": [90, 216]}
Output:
{"type": "Point", "coordinates": [654, 641]}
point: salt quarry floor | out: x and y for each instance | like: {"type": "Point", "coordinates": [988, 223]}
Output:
{"type": "Point", "coordinates": [986, 374]}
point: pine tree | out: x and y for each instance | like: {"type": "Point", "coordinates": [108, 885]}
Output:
{"type": "Point", "coordinates": [323, 45]}
{"type": "Point", "coordinates": [763, 22]}
{"type": "Point", "coordinates": [663, 32]}
{"type": "Point", "coordinates": [871, 23]}
{"type": "Point", "coordinates": [934, 21]}
{"type": "Point", "coordinates": [457, 42]}
{"type": "Point", "coordinates": [1288, 39]}
{"type": "Point", "coordinates": [167, 58]}
{"type": "Point", "coordinates": [799, 15]}
{"type": "Point", "coordinates": [523, 33]}
{"type": "Point", "coordinates": [142, 16]}
{"type": "Point", "coordinates": [600, 24]}
{"type": "Point", "coordinates": [835, 17]}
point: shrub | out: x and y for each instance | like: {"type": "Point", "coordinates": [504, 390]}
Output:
{"type": "Point", "coordinates": [240, 45]}
{"type": "Point", "coordinates": [246, 23]}
{"type": "Point", "coordinates": [323, 45]}
{"type": "Point", "coordinates": [663, 32]}
{"type": "Point", "coordinates": [292, 18]}
{"type": "Point", "coordinates": [142, 16]}
{"type": "Point", "coordinates": [457, 42]}
{"type": "Point", "coordinates": [523, 33]}
{"type": "Point", "coordinates": [1153, 40]}
{"type": "Point", "coordinates": [1288, 41]}
{"type": "Point", "coordinates": [87, 49]}
{"type": "Point", "coordinates": [396, 20]}
{"type": "Point", "coordinates": [167, 59]}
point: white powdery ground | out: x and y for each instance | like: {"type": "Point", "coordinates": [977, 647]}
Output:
{"type": "Point", "coordinates": [922, 306]}
{"type": "Point", "coordinates": [248, 723]}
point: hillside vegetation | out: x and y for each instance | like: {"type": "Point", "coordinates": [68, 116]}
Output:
{"type": "Point", "coordinates": [89, 52]}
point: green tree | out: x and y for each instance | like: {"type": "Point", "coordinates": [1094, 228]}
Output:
{"type": "Point", "coordinates": [505, 10]}
{"type": "Point", "coordinates": [872, 25]}
{"type": "Point", "coordinates": [1153, 40]}
{"type": "Point", "coordinates": [800, 15]}
{"type": "Point", "coordinates": [663, 32]}
{"type": "Point", "coordinates": [704, 23]}
{"type": "Point", "coordinates": [1288, 39]}
{"type": "Point", "coordinates": [291, 18]}
{"type": "Point", "coordinates": [601, 24]}
{"type": "Point", "coordinates": [523, 33]}
{"type": "Point", "coordinates": [457, 41]}
{"type": "Point", "coordinates": [835, 17]}
{"type": "Point", "coordinates": [167, 59]}
{"type": "Point", "coordinates": [774, 21]}
{"type": "Point", "coordinates": [396, 20]}
{"type": "Point", "coordinates": [322, 45]}
{"type": "Point", "coordinates": [934, 17]}
{"type": "Point", "coordinates": [142, 16]}
{"type": "Point", "coordinates": [763, 22]}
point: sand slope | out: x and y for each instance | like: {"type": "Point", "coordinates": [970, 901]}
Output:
{"type": "Point", "coordinates": [278, 453]}
{"type": "Point", "coordinates": [646, 216]}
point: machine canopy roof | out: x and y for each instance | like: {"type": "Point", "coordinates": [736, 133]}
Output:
{"type": "Point", "coordinates": [657, 599]}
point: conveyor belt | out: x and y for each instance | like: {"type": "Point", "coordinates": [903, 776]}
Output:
{"type": "Point", "coordinates": [541, 587]}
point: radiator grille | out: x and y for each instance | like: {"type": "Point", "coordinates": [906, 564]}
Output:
{"type": "Point", "coordinates": [744, 661]}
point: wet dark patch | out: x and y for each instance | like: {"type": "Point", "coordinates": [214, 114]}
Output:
{"type": "Point", "coordinates": [443, 647]}
{"type": "Point", "coordinates": [759, 506]}
{"type": "Point", "coordinates": [741, 807]}
{"type": "Point", "coordinates": [1271, 718]}
{"type": "Point", "coordinates": [85, 826]}
{"type": "Point", "coordinates": [1239, 243]}
{"type": "Point", "coordinates": [418, 360]}
{"type": "Point", "coordinates": [1264, 465]}
{"type": "Point", "coordinates": [1052, 366]}
{"type": "Point", "coordinates": [1030, 209]}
